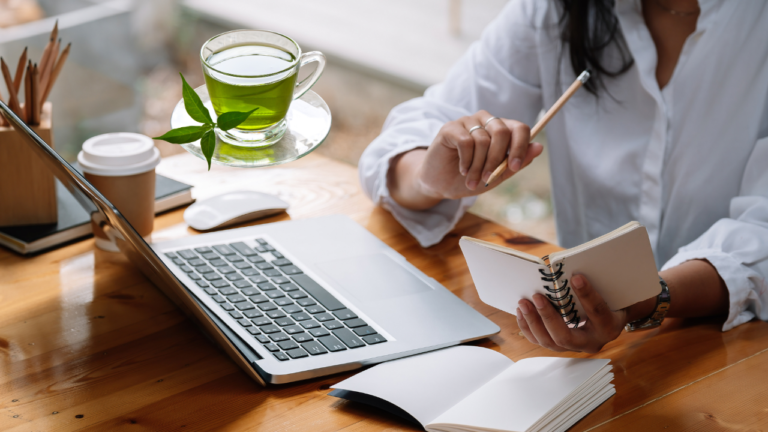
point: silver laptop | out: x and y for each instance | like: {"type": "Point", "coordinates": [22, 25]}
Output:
{"type": "Point", "coordinates": [289, 300]}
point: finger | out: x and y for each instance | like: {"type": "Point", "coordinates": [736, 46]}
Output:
{"type": "Point", "coordinates": [458, 137]}
{"type": "Point", "coordinates": [524, 328]}
{"type": "Point", "coordinates": [592, 302]}
{"type": "Point", "coordinates": [518, 147]}
{"type": "Point", "coordinates": [482, 142]}
{"type": "Point", "coordinates": [558, 330]}
{"type": "Point", "coordinates": [500, 142]}
{"type": "Point", "coordinates": [538, 329]}
{"type": "Point", "coordinates": [534, 151]}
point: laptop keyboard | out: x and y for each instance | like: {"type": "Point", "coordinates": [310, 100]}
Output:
{"type": "Point", "coordinates": [290, 314]}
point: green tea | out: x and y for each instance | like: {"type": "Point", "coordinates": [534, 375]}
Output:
{"type": "Point", "coordinates": [255, 86]}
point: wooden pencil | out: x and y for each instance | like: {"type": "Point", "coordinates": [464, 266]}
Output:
{"type": "Point", "coordinates": [56, 70]}
{"type": "Point", "coordinates": [45, 74]}
{"type": "Point", "coordinates": [580, 80]}
{"type": "Point", "coordinates": [13, 99]}
{"type": "Point", "coordinates": [46, 58]}
{"type": "Point", "coordinates": [20, 71]}
{"type": "Point", "coordinates": [28, 93]}
{"type": "Point", "coordinates": [35, 96]}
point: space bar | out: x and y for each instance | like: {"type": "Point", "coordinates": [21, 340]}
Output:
{"type": "Point", "coordinates": [319, 293]}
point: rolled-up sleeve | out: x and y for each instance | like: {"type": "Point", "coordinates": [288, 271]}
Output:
{"type": "Point", "coordinates": [499, 73]}
{"type": "Point", "coordinates": [738, 246]}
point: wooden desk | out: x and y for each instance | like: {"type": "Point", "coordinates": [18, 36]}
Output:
{"type": "Point", "coordinates": [87, 343]}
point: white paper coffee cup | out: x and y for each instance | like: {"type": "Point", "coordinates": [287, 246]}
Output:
{"type": "Point", "coordinates": [122, 167]}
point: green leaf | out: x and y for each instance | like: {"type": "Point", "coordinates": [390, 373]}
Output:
{"type": "Point", "coordinates": [193, 104]}
{"type": "Point", "coordinates": [185, 134]}
{"type": "Point", "coordinates": [208, 144]}
{"type": "Point", "coordinates": [231, 119]}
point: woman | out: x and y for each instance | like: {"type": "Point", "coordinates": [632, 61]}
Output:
{"type": "Point", "coordinates": [672, 131]}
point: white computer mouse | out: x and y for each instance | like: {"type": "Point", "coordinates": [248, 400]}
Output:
{"type": "Point", "coordinates": [232, 208]}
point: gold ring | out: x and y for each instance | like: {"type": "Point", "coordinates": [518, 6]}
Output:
{"type": "Point", "coordinates": [474, 128]}
{"type": "Point", "coordinates": [489, 120]}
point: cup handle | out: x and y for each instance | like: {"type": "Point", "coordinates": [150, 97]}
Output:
{"type": "Point", "coordinates": [304, 85]}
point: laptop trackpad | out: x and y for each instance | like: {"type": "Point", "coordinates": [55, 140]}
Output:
{"type": "Point", "coordinates": [373, 277]}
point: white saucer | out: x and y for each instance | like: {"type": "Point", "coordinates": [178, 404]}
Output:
{"type": "Point", "coordinates": [309, 121]}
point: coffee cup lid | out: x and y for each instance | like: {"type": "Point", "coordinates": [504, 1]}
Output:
{"type": "Point", "coordinates": [118, 154]}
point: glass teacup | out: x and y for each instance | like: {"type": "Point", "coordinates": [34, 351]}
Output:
{"type": "Point", "coordinates": [247, 69]}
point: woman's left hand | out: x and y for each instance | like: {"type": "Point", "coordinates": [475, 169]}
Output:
{"type": "Point", "coordinates": [542, 324]}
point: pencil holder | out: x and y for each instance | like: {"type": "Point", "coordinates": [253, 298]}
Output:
{"type": "Point", "coordinates": [27, 186]}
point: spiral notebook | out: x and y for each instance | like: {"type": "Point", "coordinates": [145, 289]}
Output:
{"type": "Point", "coordinates": [619, 265]}
{"type": "Point", "coordinates": [468, 388]}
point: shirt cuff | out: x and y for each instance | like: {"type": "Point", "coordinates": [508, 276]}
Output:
{"type": "Point", "coordinates": [740, 293]}
{"type": "Point", "coordinates": [427, 226]}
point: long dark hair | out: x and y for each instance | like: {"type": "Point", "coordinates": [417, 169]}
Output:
{"type": "Point", "coordinates": [589, 28]}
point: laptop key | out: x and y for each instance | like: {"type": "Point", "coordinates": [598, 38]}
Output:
{"type": "Point", "coordinates": [354, 323]}
{"type": "Point", "coordinates": [203, 249]}
{"type": "Point", "coordinates": [298, 295]}
{"type": "Point", "coordinates": [279, 337]}
{"type": "Point", "coordinates": [242, 248]}
{"type": "Point", "coordinates": [309, 324]}
{"type": "Point", "coordinates": [319, 332]}
{"type": "Point", "coordinates": [272, 273]}
{"type": "Point", "coordinates": [281, 356]}
{"type": "Point", "coordinates": [297, 353]}
{"type": "Point", "coordinates": [234, 258]}
{"type": "Point", "coordinates": [197, 262]}
{"type": "Point", "coordinates": [259, 298]}
{"type": "Point", "coordinates": [235, 298]}
{"type": "Point", "coordinates": [204, 269]}
{"type": "Point", "coordinates": [258, 279]}
{"type": "Point", "coordinates": [302, 337]}
{"type": "Point", "coordinates": [235, 314]}
{"type": "Point", "coordinates": [301, 316]}
{"type": "Point", "coordinates": [332, 325]}
{"type": "Point", "coordinates": [288, 287]}
{"type": "Point", "coordinates": [243, 284]}
{"type": "Point", "coordinates": [264, 266]}
{"type": "Point", "coordinates": [282, 322]}
{"type": "Point", "coordinates": [254, 331]}
{"type": "Point", "coordinates": [202, 284]}
{"type": "Point", "coordinates": [244, 322]}
{"type": "Point", "coordinates": [227, 307]}
{"type": "Point", "coordinates": [323, 317]}
{"type": "Point", "coordinates": [186, 269]}
{"type": "Point", "coordinates": [277, 254]}
{"type": "Point", "coordinates": [224, 250]}
{"type": "Point", "coordinates": [268, 306]}
{"type": "Point", "coordinates": [281, 262]}
{"type": "Point", "coordinates": [171, 255]}
{"type": "Point", "coordinates": [306, 302]}
{"type": "Point", "coordinates": [228, 291]}
{"type": "Point", "coordinates": [256, 259]}
{"type": "Point", "coordinates": [288, 345]}
{"type": "Point", "coordinates": [271, 347]}
{"type": "Point", "coordinates": [186, 254]}
{"type": "Point", "coordinates": [331, 343]}
{"type": "Point", "coordinates": [291, 309]}
{"type": "Point", "coordinates": [261, 249]}
{"type": "Point", "coordinates": [281, 280]}
{"type": "Point", "coordinates": [374, 339]}
{"type": "Point", "coordinates": [211, 256]}
{"type": "Point", "coordinates": [251, 272]}
{"type": "Point", "coordinates": [364, 331]}
{"type": "Point", "coordinates": [314, 348]}
{"type": "Point", "coordinates": [194, 276]}
{"type": "Point", "coordinates": [244, 306]}
{"type": "Point", "coordinates": [179, 261]}
{"type": "Point", "coordinates": [283, 302]}
{"type": "Point", "coordinates": [275, 294]}
{"type": "Point", "coordinates": [275, 314]}
{"type": "Point", "coordinates": [315, 309]}
{"type": "Point", "coordinates": [226, 270]}
{"type": "Point", "coordinates": [261, 241]}
{"type": "Point", "coordinates": [269, 329]}
{"type": "Point", "coordinates": [291, 270]}
{"type": "Point", "coordinates": [261, 321]}
{"type": "Point", "coordinates": [263, 339]}
{"type": "Point", "coordinates": [345, 314]}
{"type": "Point", "coordinates": [253, 313]}
{"type": "Point", "coordinates": [349, 339]}
{"type": "Point", "coordinates": [249, 291]}
{"type": "Point", "coordinates": [218, 299]}
{"type": "Point", "coordinates": [210, 291]}
{"type": "Point", "coordinates": [318, 292]}
{"type": "Point", "coordinates": [266, 286]}
{"type": "Point", "coordinates": [242, 265]}
{"type": "Point", "coordinates": [234, 277]}
{"type": "Point", "coordinates": [220, 283]}
{"type": "Point", "coordinates": [218, 263]}
{"type": "Point", "coordinates": [294, 329]}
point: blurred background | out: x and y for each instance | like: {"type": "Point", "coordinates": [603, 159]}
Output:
{"type": "Point", "coordinates": [122, 72]}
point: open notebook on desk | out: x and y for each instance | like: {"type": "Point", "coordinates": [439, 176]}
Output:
{"type": "Point", "coordinates": [467, 388]}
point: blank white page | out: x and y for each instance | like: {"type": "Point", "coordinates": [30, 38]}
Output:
{"type": "Point", "coordinates": [428, 384]}
{"type": "Point", "coordinates": [518, 397]}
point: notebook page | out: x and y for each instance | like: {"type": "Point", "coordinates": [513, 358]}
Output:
{"type": "Point", "coordinates": [501, 279]}
{"type": "Point", "coordinates": [517, 398]}
{"type": "Point", "coordinates": [428, 384]}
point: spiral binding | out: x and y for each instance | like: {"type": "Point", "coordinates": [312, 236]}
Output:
{"type": "Point", "coordinates": [560, 296]}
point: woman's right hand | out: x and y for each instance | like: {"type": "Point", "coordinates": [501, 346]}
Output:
{"type": "Point", "coordinates": [457, 164]}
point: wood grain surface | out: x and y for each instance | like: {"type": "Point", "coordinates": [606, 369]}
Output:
{"type": "Point", "coordinates": [87, 343]}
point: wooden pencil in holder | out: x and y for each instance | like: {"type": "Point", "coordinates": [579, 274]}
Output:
{"type": "Point", "coordinates": [27, 186]}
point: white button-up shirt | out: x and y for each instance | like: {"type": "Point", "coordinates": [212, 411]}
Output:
{"type": "Point", "coordinates": [689, 161]}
